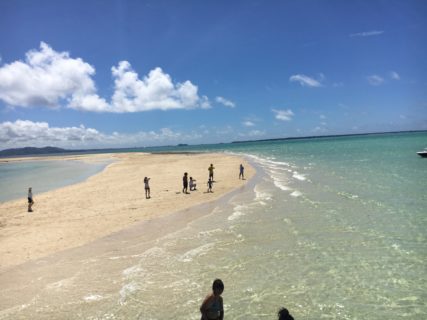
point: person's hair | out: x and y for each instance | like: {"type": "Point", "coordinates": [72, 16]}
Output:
{"type": "Point", "coordinates": [218, 284]}
{"type": "Point", "coordinates": [283, 314]}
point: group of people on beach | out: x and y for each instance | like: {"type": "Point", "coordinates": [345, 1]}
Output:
{"type": "Point", "coordinates": [193, 181]}
{"type": "Point", "coordinates": [185, 185]}
{"type": "Point", "coordinates": [212, 307]}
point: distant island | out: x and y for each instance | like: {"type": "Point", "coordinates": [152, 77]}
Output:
{"type": "Point", "coordinates": [30, 151]}
{"type": "Point", "coordinates": [326, 136]}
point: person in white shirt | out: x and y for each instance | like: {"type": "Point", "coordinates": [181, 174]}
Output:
{"type": "Point", "coordinates": [147, 188]}
{"type": "Point", "coordinates": [192, 184]}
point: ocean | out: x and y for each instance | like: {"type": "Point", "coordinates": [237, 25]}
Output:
{"type": "Point", "coordinates": [330, 228]}
{"type": "Point", "coordinates": [42, 176]}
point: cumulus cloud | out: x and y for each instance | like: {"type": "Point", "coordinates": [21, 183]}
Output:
{"type": "Point", "coordinates": [283, 115]}
{"type": "Point", "coordinates": [29, 133]}
{"type": "Point", "coordinates": [375, 80]}
{"type": "Point", "coordinates": [155, 91]}
{"type": "Point", "coordinates": [306, 81]}
{"type": "Point", "coordinates": [54, 79]}
{"type": "Point", "coordinates": [47, 78]}
{"type": "Point", "coordinates": [367, 33]}
{"type": "Point", "coordinates": [22, 133]}
{"type": "Point", "coordinates": [225, 102]}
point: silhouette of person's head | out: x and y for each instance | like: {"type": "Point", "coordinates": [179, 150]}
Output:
{"type": "Point", "coordinates": [283, 314]}
{"type": "Point", "coordinates": [217, 286]}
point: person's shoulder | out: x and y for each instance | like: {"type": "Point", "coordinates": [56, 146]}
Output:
{"type": "Point", "coordinates": [208, 298]}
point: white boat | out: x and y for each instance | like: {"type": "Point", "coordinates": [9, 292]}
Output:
{"type": "Point", "coordinates": [422, 153]}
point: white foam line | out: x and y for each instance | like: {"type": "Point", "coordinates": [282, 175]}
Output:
{"type": "Point", "coordinates": [93, 297]}
{"type": "Point", "coordinates": [299, 176]}
{"type": "Point", "coordinates": [296, 194]}
{"type": "Point", "coordinates": [199, 251]}
{"type": "Point", "coordinates": [281, 186]}
{"type": "Point", "coordinates": [126, 290]}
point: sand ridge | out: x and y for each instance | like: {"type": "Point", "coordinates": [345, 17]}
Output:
{"type": "Point", "coordinates": [111, 201]}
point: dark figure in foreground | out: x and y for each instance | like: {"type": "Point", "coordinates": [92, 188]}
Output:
{"type": "Point", "coordinates": [283, 314]}
{"type": "Point", "coordinates": [212, 307]}
{"type": "Point", "coordinates": [211, 171]}
{"type": "Point", "coordinates": [30, 200]}
{"type": "Point", "coordinates": [185, 183]}
{"type": "Point", "coordinates": [147, 188]}
{"type": "Point", "coordinates": [241, 174]}
{"type": "Point", "coordinates": [210, 183]}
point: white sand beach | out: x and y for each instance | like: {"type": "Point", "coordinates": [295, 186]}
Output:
{"type": "Point", "coordinates": [110, 201]}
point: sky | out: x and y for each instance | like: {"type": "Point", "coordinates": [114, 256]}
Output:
{"type": "Point", "coordinates": [110, 74]}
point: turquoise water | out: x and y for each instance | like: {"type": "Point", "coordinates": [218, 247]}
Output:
{"type": "Point", "coordinates": [42, 176]}
{"type": "Point", "coordinates": [331, 228]}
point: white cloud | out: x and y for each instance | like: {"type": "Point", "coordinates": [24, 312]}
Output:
{"type": "Point", "coordinates": [23, 133]}
{"type": "Point", "coordinates": [394, 75]}
{"type": "Point", "coordinates": [306, 81]}
{"type": "Point", "coordinates": [45, 78]}
{"type": "Point", "coordinates": [155, 91]}
{"type": "Point", "coordinates": [322, 116]}
{"type": "Point", "coordinates": [375, 80]}
{"type": "Point", "coordinates": [248, 123]}
{"type": "Point", "coordinates": [284, 115]}
{"type": "Point", "coordinates": [53, 79]}
{"type": "Point", "coordinates": [225, 102]}
{"type": "Point", "coordinates": [367, 33]}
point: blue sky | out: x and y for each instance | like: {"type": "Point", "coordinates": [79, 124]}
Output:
{"type": "Point", "coordinates": [93, 74]}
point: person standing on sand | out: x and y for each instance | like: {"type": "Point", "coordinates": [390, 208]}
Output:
{"type": "Point", "coordinates": [241, 175]}
{"type": "Point", "coordinates": [185, 183]}
{"type": "Point", "coordinates": [147, 188]}
{"type": "Point", "coordinates": [210, 183]}
{"type": "Point", "coordinates": [212, 307]}
{"type": "Point", "coordinates": [211, 171]}
{"type": "Point", "coordinates": [30, 199]}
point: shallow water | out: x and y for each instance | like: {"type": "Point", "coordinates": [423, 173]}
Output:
{"type": "Point", "coordinates": [331, 228]}
{"type": "Point", "coordinates": [42, 176]}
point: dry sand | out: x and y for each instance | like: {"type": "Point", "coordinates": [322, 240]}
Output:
{"type": "Point", "coordinates": [110, 201]}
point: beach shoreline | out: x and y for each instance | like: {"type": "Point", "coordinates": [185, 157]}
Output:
{"type": "Point", "coordinates": [110, 201]}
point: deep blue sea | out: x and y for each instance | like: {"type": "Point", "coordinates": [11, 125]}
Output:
{"type": "Point", "coordinates": [330, 228]}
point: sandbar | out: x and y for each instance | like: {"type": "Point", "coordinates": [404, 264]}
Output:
{"type": "Point", "coordinates": [110, 201]}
